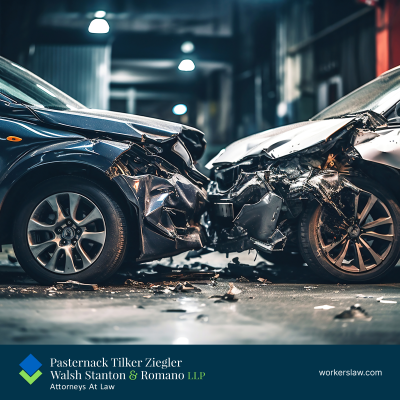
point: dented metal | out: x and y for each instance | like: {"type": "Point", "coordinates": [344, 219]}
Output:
{"type": "Point", "coordinates": [303, 163]}
{"type": "Point", "coordinates": [168, 214]}
{"type": "Point", "coordinates": [260, 186]}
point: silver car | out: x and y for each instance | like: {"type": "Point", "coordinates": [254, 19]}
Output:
{"type": "Point", "coordinates": [327, 188]}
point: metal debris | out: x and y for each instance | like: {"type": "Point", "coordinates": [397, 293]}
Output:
{"type": "Point", "coordinates": [380, 300]}
{"type": "Point", "coordinates": [74, 285]}
{"type": "Point", "coordinates": [242, 279]}
{"type": "Point", "coordinates": [185, 287]}
{"type": "Point", "coordinates": [354, 312]}
{"type": "Point", "coordinates": [131, 282]}
{"type": "Point", "coordinates": [159, 289]}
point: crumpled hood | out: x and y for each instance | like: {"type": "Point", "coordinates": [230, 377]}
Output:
{"type": "Point", "coordinates": [122, 126]}
{"type": "Point", "coordinates": [279, 142]}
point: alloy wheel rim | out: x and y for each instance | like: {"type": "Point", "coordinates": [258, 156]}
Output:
{"type": "Point", "coordinates": [359, 240]}
{"type": "Point", "coordinates": [66, 233]}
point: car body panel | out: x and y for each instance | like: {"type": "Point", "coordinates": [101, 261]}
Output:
{"type": "Point", "coordinates": [168, 212]}
{"type": "Point", "coordinates": [119, 126]}
{"type": "Point", "coordinates": [281, 141]}
{"type": "Point", "coordinates": [382, 149]}
{"type": "Point", "coordinates": [42, 146]}
{"type": "Point", "coordinates": [46, 143]}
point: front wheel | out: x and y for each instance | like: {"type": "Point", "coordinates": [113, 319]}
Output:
{"type": "Point", "coordinates": [70, 229]}
{"type": "Point", "coordinates": [362, 244]}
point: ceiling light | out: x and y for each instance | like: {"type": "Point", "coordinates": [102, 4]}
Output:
{"type": "Point", "coordinates": [186, 65]}
{"type": "Point", "coordinates": [100, 14]}
{"type": "Point", "coordinates": [187, 47]}
{"type": "Point", "coordinates": [179, 109]}
{"type": "Point", "coordinates": [99, 26]}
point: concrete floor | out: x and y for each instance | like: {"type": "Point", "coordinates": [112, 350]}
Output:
{"type": "Point", "coordinates": [278, 313]}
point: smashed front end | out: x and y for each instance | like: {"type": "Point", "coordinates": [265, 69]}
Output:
{"type": "Point", "coordinates": [166, 192]}
{"type": "Point", "coordinates": [256, 201]}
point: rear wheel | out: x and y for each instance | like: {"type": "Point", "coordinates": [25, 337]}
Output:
{"type": "Point", "coordinates": [70, 229]}
{"type": "Point", "coordinates": [362, 244]}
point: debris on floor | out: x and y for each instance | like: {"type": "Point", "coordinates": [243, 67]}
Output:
{"type": "Point", "coordinates": [140, 285]}
{"type": "Point", "coordinates": [229, 295]}
{"type": "Point", "coordinates": [362, 296]}
{"type": "Point", "coordinates": [354, 312]}
{"type": "Point", "coordinates": [324, 307]}
{"type": "Point", "coordinates": [202, 318]}
{"type": "Point", "coordinates": [264, 281]}
{"type": "Point", "coordinates": [308, 288]}
{"type": "Point", "coordinates": [233, 289]}
{"type": "Point", "coordinates": [185, 287]}
{"type": "Point", "coordinates": [213, 280]}
{"type": "Point", "coordinates": [75, 285]}
{"type": "Point", "coordinates": [380, 300]}
{"type": "Point", "coordinates": [242, 279]}
{"type": "Point", "coordinates": [159, 289]}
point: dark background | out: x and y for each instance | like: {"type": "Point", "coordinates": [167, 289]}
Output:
{"type": "Point", "coordinates": [259, 63]}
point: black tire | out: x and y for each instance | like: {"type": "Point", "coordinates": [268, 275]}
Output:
{"type": "Point", "coordinates": [312, 249]}
{"type": "Point", "coordinates": [115, 242]}
{"type": "Point", "coordinates": [282, 257]}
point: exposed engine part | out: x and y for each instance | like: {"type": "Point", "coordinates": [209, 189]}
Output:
{"type": "Point", "coordinates": [276, 242]}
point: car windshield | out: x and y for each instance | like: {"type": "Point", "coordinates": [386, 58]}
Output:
{"type": "Point", "coordinates": [379, 95]}
{"type": "Point", "coordinates": [22, 86]}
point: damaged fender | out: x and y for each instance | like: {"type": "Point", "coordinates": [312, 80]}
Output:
{"type": "Point", "coordinates": [168, 211]}
{"type": "Point", "coordinates": [382, 148]}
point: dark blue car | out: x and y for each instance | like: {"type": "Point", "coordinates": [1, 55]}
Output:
{"type": "Point", "coordinates": [79, 187]}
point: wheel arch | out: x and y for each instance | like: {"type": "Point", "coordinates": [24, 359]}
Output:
{"type": "Point", "coordinates": [41, 173]}
{"type": "Point", "coordinates": [377, 171]}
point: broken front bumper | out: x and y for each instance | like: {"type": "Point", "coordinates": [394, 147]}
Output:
{"type": "Point", "coordinates": [168, 213]}
{"type": "Point", "coordinates": [260, 209]}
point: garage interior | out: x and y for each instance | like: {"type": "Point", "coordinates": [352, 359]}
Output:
{"type": "Point", "coordinates": [230, 68]}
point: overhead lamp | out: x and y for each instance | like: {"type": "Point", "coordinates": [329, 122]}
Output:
{"type": "Point", "coordinates": [99, 26]}
{"type": "Point", "coordinates": [100, 14]}
{"type": "Point", "coordinates": [179, 109]}
{"type": "Point", "coordinates": [186, 65]}
{"type": "Point", "coordinates": [187, 47]}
